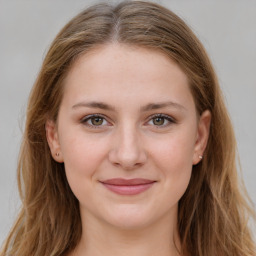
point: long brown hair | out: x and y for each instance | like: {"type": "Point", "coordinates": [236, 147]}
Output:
{"type": "Point", "coordinates": [214, 211]}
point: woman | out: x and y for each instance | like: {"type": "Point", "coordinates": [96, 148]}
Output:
{"type": "Point", "coordinates": [128, 147]}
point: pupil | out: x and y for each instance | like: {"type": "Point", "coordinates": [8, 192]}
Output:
{"type": "Point", "coordinates": [158, 121]}
{"type": "Point", "coordinates": [97, 121]}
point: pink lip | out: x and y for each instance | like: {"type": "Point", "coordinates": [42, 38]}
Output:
{"type": "Point", "coordinates": [128, 186]}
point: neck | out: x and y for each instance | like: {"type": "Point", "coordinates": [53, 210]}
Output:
{"type": "Point", "coordinates": [103, 239]}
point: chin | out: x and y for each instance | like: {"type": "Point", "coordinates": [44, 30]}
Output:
{"type": "Point", "coordinates": [130, 223]}
{"type": "Point", "coordinates": [131, 217]}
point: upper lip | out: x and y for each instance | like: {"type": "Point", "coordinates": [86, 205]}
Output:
{"type": "Point", "coordinates": [127, 182]}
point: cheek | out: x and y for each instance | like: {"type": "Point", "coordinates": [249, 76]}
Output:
{"type": "Point", "coordinates": [174, 159]}
{"type": "Point", "coordinates": [81, 151]}
{"type": "Point", "coordinates": [82, 156]}
{"type": "Point", "coordinates": [176, 150]}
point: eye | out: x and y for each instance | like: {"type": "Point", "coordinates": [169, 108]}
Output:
{"type": "Point", "coordinates": [161, 120]}
{"type": "Point", "coordinates": [94, 121]}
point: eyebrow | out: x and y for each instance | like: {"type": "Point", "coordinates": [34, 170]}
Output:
{"type": "Point", "coordinates": [94, 104]}
{"type": "Point", "coordinates": [152, 106]}
{"type": "Point", "coordinates": [148, 107]}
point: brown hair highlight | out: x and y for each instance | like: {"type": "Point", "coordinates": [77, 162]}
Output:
{"type": "Point", "coordinates": [215, 209]}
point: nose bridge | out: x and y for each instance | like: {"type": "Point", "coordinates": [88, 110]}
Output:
{"type": "Point", "coordinates": [129, 140]}
{"type": "Point", "coordinates": [128, 150]}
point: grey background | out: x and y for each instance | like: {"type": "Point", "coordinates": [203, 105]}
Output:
{"type": "Point", "coordinates": [226, 28]}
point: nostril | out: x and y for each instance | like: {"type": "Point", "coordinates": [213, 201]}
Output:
{"type": "Point", "coordinates": [128, 164]}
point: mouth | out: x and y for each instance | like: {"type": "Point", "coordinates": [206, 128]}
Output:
{"type": "Point", "coordinates": [128, 186]}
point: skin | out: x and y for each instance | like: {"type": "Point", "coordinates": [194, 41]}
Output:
{"type": "Point", "coordinates": [128, 142]}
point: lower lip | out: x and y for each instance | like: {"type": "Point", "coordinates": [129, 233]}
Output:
{"type": "Point", "coordinates": [128, 190]}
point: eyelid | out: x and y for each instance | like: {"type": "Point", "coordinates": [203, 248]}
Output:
{"type": "Point", "coordinates": [88, 117]}
{"type": "Point", "coordinates": [170, 119]}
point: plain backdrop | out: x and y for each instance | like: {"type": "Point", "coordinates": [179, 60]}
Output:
{"type": "Point", "coordinates": [27, 27]}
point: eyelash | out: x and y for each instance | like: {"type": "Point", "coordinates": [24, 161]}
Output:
{"type": "Point", "coordinates": [90, 117]}
{"type": "Point", "coordinates": [165, 117]}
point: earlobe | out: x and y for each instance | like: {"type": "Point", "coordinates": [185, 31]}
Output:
{"type": "Point", "coordinates": [202, 136]}
{"type": "Point", "coordinates": [53, 140]}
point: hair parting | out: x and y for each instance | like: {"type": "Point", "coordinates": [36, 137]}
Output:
{"type": "Point", "coordinates": [214, 212]}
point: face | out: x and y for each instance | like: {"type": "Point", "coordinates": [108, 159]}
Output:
{"type": "Point", "coordinates": [128, 134]}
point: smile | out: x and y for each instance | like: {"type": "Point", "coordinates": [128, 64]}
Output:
{"type": "Point", "coordinates": [128, 187]}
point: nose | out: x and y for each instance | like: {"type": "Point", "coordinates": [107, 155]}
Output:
{"type": "Point", "coordinates": [127, 150]}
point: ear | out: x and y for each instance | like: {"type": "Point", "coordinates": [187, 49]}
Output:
{"type": "Point", "coordinates": [203, 131]}
{"type": "Point", "coordinates": [53, 140]}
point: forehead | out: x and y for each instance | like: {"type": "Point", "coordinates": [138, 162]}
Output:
{"type": "Point", "coordinates": [124, 57]}
{"type": "Point", "coordinates": [128, 72]}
